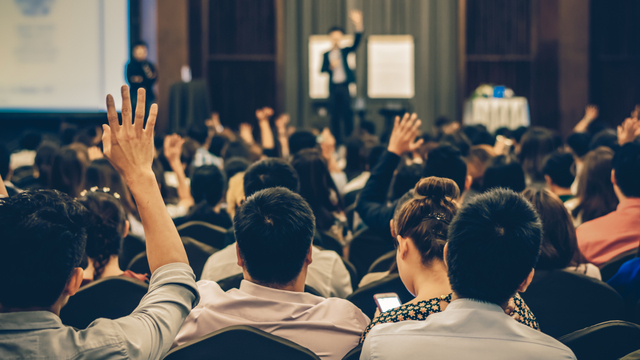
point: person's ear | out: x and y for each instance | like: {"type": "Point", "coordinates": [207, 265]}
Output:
{"type": "Point", "coordinates": [444, 255]}
{"type": "Point", "coordinates": [127, 226]}
{"type": "Point", "coordinates": [547, 179]}
{"type": "Point", "coordinates": [240, 259]}
{"type": "Point", "coordinates": [74, 282]}
{"type": "Point", "coordinates": [525, 284]}
{"type": "Point", "coordinates": [392, 228]}
{"type": "Point", "coordinates": [309, 258]}
{"type": "Point", "coordinates": [403, 246]}
{"type": "Point", "coordinates": [467, 183]}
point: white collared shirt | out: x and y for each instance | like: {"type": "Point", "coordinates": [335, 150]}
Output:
{"type": "Point", "coordinates": [328, 327]}
{"type": "Point", "coordinates": [326, 273]}
{"type": "Point", "coordinates": [466, 329]}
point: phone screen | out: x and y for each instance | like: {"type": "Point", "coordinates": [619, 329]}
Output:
{"type": "Point", "coordinates": [388, 303]}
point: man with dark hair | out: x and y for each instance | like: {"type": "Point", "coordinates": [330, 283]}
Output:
{"type": "Point", "coordinates": [557, 174]}
{"type": "Point", "coordinates": [274, 229]}
{"type": "Point", "coordinates": [327, 274]}
{"type": "Point", "coordinates": [43, 238]}
{"type": "Point", "coordinates": [207, 186]}
{"type": "Point", "coordinates": [616, 233]}
{"type": "Point", "coordinates": [445, 161]}
{"type": "Point", "coordinates": [493, 247]}
{"type": "Point", "coordinates": [334, 62]}
{"type": "Point", "coordinates": [300, 140]}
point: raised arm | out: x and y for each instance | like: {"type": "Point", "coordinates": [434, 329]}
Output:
{"type": "Point", "coordinates": [283, 137]}
{"type": "Point", "coordinates": [266, 134]}
{"type": "Point", "coordinates": [129, 148]}
{"type": "Point", "coordinates": [172, 151]}
{"type": "Point", "coordinates": [356, 18]}
{"type": "Point", "coordinates": [590, 114]}
{"type": "Point", "coordinates": [3, 189]}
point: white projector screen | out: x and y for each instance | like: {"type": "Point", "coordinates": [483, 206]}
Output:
{"type": "Point", "coordinates": [62, 55]}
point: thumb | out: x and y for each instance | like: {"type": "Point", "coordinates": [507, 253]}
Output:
{"type": "Point", "coordinates": [106, 140]}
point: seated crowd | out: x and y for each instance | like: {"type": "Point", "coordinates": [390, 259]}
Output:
{"type": "Point", "coordinates": [474, 225]}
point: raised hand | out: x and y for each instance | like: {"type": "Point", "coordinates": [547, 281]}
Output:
{"type": "Point", "coordinates": [356, 17]}
{"type": "Point", "coordinates": [404, 133]}
{"type": "Point", "coordinates": [129, 147]}
{"type": "Point", "coordinates": [281, 123]}
{"type": "Point", "coordinates": [246, 133]}
{"type": "Point", "coordinates": [628, 131]}
{"type": "Point", "coordinates": [173, 147]}
{"type": "Point", "coordinates": [94, 153]}
{"type": "Point", "coordinates": [591, 113]}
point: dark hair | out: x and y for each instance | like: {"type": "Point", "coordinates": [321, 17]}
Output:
{"type": "Point", "coordinates": [368, 126]}
{"type": "Point", "coordinates": [30, 140]}
{"type": "Point", "coordinates": [317, 186]}
{"type": "Point", "coordinates": [102, 174]}
{"type": "Point", "coordinates": [477, 161]}
{"type": "Point", "coordinates": [579, 143]}
{"type": "Point", "coordinates": [207, 184]}
{"type": "Point", "coordinates": [105, 228]}
{"type": "Point", "coordinates": [139, 43]}
{"type": "Point", "coordinates": [274, 228]}
{"type": "Point", "coordinates": [445, 161]}
{"type": "Point", "coordinates": [558, 166]}
{"type": "Point", "coordinates": [217, 144]}
{"type": "Point", "coordinates": [44, 162]}
{"type": "Point", "coordinates": [494, 242]}
{"type": "Point", "coordinates": [425, 218]}
{"type": "Point", "coordinates": [503, 171]}
{"type": "Point", "coordinates": [406, 177]}
{"type": "Point", "coordinates": [595, 191]}
{"type": "Point", "coordinates": [458, 140]}
{"type": "Point", "coordinates": [518, 133]}
{"type": "Point", "coordinates": [268, 173]}
{"type": "Point", "coordinates": [335, 28]}
{"type": "Point", "coordinates": [43, 240]}
{"type": "Point", "coordinates": [5, 161]}
{"type": "Point", "coordinates": [198, 133]}
{"type": "Point", "coordinates": [442, 121]}
{"type": "Point", "coordinates": [236, 149]}
{"type": "Point", "coordinates": [356, 157]}
{"type": "Point", "coordinates": [235, 165]}
{"type": "Point", "coordinates": [479, 135]}
{"type": "Point", "coordinates": [504, 131]}
{"type": "Point", "coordinates": [300, 140]}
{"type": "Point", "coordinates": [559, 248]}
{"type": "Point", "coordinates": [536, 144]}
{"type": "Point", "coordinates": [68, 170]}
{"type": "Point", "coordinates": [606, 137]}
{"type": "Point", "coordinates": [626, 163]}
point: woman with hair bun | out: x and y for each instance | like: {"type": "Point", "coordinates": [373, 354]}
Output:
{"type": "Point", "coordinates": [420, 230]}
{"type": "Point", "coordinates": [107, 226]}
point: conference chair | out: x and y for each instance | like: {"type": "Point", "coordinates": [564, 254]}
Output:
{"type": "Point", "coordinates": [612, 266]}
{"type": "Point", "coordinates": [329, 242]}
{"type": "Point", "coordinates": [367, 246]}
{"type": "Point", "coordinates": [233, 282]}
{"type": "Point", "coordinates": [197, 253]}
{"type": "Point", "coordinates": [240, 342]}
{"type": "Point", "coordinates": [205, 233]}
{"type": "Point", "coordinates": [130, 248]}
{"type": "Point", "coordinates": [354, 354]}
{"type": "Point", "coordinates": [633, 356]}
{"type": "Point", "coordinates": [565, 301]}
{"type": "Point", "coordinates": [111, 298]}
{"type": "Point", "coordinates": [363, 297]}
{"type": "Point", "coordinates": [353, 274]}
{"type": "Point", "coordinates": [609, 340]}
{"type": "Point", "coordinates": [383, 263]}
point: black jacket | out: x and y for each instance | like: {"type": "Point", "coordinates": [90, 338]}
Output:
{"type": "Point", "coordinates": [351, 77]}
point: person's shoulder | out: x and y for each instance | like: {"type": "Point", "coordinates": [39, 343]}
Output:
{"type": "Point", "coordinates": [341, 308]}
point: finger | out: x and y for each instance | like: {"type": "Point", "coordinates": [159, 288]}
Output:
{"type": "Point", "coordinates": [396, 123]}
{"type": "Point", "coordinates": [112, 114]}
{"type": "Point", "coordinates": [106, 140]}
{"type": "Point", "coordinates": [405, 119]}
{"type": "Point", "coordinates": [151, 120]}
{"type": "Point", "coordinates": [126, 107]}
{"type": "Point", "coordinates": [416, 127]}
{"type": "Point", "coordinates": [416, 144]}
{"type": "Point", "coordinates": [139, 119]}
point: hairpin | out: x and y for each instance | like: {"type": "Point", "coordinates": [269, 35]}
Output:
{"type": "Point", "coordinates": [438, 216]}
{"type": "Point", "coordinates": [105, 190]}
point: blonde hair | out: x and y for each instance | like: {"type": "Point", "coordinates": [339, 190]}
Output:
{"type": "Point", "coordinates": [235, 193]}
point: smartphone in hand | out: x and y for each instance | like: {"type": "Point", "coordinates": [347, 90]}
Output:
{"type": "Point", "coordinates": [387, 301]}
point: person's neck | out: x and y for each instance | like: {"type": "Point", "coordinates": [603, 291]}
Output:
{"type": "Point", "coordinates": [621, 197]}
{"type": "Point", "coordinates": [455, 297]}
{"type": "Point", "coordinates": [111, 269]}
{"type": "Point", "coordinates": [432, 281]}
{"type": "Point", "coordinates": [296, 286]}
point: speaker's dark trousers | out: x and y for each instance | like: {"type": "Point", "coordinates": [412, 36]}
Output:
{"type": "Point", "coordinates": [341, 113]}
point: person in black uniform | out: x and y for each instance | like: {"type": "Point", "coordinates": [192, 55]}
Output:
{"type": "Point", "coordinates": [334, 62]}
{"type": "Point", "coordinates": [141, 74]}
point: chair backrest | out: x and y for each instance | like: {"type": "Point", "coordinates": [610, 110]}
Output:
{"type": "Point", "coordinates": [353, 274]}
{"type": "Point", "coordinates": [233, 282]}
{"type": "Point", "coordinates": [203, 232]}
{"type": "Point", "coordinates": [354, 354]}
{"type": "Point", "coordinates": [611, 267]}
{"type": "Point", "coordinates": [197, 253]}
{"type": "Point", "coordinates": [632, 356]}
{"type": "Point", "coordinates": [566, 301]}
{"type": "Point", "coordinates": [131, 246]}
{"type": "Point", "coordinates": [363, 297]}
{"type": "Point", "coordinates": [383, 263]}
{"type": "Point", "coordinates": [238, 343]}
{"type": "Point", "coordinates": [607, 340]}
{"type": "Point", "coordinates": [366, 247]}
{"type": "Point", "coordinates": [329, 242]}
{"type": "Point", "coordinates": [110, 298]}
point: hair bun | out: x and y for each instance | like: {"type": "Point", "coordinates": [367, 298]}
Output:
{"type": "Point", "coordinates": [437, 189]}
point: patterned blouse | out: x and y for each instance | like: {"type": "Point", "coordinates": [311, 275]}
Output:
{"type": "Point", "coordinates": [424, 308]}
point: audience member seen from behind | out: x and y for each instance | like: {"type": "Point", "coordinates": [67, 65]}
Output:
{"type": "Point", "coordinates": [618, 232]}
{"type": "Point", "coordinates": [207, 188]}
{"type": "Point", "coordinates": [493, 246]}
{"type": "Point", "coordinates": [559, 249]}
{"type": "Point", "coordinates": [596, 196]}
{"type": "Point", "coordinates": [43, 237]}
{"type": "Point", "coordinates": [271, 297]}
{"type": "Point", "coordinates": [503, 171]}
{"type": "Point", "coordinates": [327, 274]}
{"type": "Point", "coordinates": [557, 174]}
{"type": "Point", "coordinates": [106, 226]}
{"type": "Point", "coordinates": [535, 145]}
{"type": "Point", "coordinates": [420, 232]}
{"type": "Point", "coordinates": [41, 174]}
{"type": "Point", "coordinates": [68, 169]}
